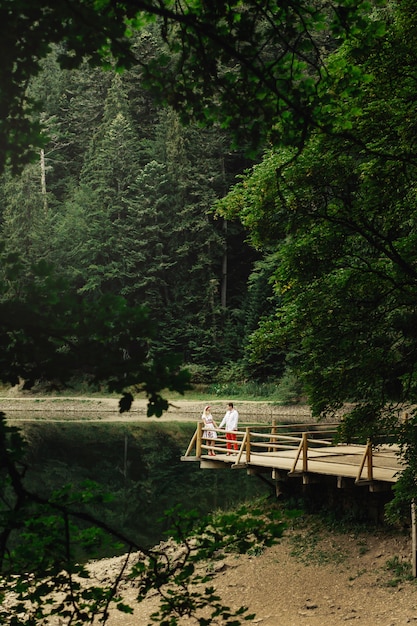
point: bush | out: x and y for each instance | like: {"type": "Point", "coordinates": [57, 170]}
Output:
{"type": "Point", "coordinates": [200, 374]}
{"type": "Point", "coordinates": [290, 389]}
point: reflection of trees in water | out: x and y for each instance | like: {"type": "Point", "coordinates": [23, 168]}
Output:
{"type": "Point", "coordinates": [138, 464]}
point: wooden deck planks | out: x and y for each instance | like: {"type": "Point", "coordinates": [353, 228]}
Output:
{"type": "Point", "coordinates": [343, 461]}
{"type": "Point", "coordinates": [285, 451]}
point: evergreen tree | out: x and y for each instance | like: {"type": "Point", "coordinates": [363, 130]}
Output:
{"type": "Point", "coordinates": [150, 214]}
{"type": "Point", "coordinates": [27, 223]}
{"type": "Point", "coordinates": [110, 166]}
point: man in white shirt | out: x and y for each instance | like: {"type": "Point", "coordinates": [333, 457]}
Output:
{"type": "Point", "coordinates": [229, 423]}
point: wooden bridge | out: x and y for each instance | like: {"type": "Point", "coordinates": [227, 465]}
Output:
{"type": "Point", "coordinates": [303, 450]}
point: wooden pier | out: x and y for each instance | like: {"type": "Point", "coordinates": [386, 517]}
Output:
{"type": "Point", "coordinates": [309, 453]}
{"type": "Point", "coordinates": [303, 450]}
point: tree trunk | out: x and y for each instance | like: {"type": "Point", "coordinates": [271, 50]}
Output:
{"type": "Point", "coordinates": [223, 295]}
{"type": "Point", "coordinates": [43, 181]}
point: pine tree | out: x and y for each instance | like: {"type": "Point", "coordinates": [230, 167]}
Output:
{"type": "Point", "coordinates": [110, 166]}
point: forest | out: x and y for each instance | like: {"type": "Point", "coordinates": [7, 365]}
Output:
{"type": "Point", "coordinates": [121, 199]}
{"type": "Point", "coordinates": [199, 193]}
{"type": "Point", "coordinates": [249, 219]}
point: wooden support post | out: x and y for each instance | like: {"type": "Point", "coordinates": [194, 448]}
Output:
{"type": "Point", "coordinates": [414, 537]}
{"type": "Point", "coordinates": [272, 438]}
{"type": "Point", "coordinates": [367, 458]}
{"type": "Point", "coordinates": [379, 487]}
{"type": "Point", "coordinates": [370, 461]}
{"type": "Point", "coordinates": [341, 482]}
{"type": "Point", "coordinates": [244, 447]}
{"type": "Point", "coordinates": [311, 479]}
{"type": "Point", "coordinates": [279, 489]}
{"type": "Point", "coordinates": [300, 449]}
{"type": "Point", "coordinates": [190, 446]}
{"type": "Point", "coordinates": [199, 439]}
{"type": "Point", "coordinates": [305, 452]}
{"type": "Point", "coordinates": [247, 445]}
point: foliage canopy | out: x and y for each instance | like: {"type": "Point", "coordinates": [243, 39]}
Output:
{"type": "Point", "coordinates": [331, 87]}
{"type": "Point", "coordinates": [338, 220]}
{"type": "Point", "coordinates": [260, 68]}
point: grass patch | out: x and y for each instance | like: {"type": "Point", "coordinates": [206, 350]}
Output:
{"type": "Point", "coordinates": [401, 571]}
{"type": "Point", "coordinates": [315, 538]}
{"type": "Point", "coordinates": [311, 548]}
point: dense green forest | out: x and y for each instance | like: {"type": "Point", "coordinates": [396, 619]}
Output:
{"type": "Point", "coordinates": [264, 226]}
{"type": "Point", "coordinates": [120, 199]}
{"type": "Point", "coordinates": [229, 187]}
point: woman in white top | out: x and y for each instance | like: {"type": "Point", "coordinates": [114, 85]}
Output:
{"type": "Point", "coordinates": [209, 430]}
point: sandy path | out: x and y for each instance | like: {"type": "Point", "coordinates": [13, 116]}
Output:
{"type": "Point", "coordinates": [342, 577]}
{"type": "Point", "coordinates": [107, 409]}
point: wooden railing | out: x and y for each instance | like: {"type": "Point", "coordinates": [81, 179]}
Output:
{"type": "Point", "coordinates": [260, 439]}
{"type": "Point", "coordinates": [269, 441]}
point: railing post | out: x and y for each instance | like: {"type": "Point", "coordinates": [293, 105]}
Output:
{"type": "Point", "coordinates": [369, 460]}
{"type": "Point", "coordinates": [273, 432]}
{"type": "Point", "coordinates": [247, 445]}
{"type": "Point", "coordinates": [305, 452]}
{"type": "Point", "coordinates": [297, 456]}
{"type": "Point", "coordinates": [199, 439]}
{"type": "Point", "coordinates": [414, 537]}
{"type": "Point", "coordinates": [242, 447]}
{"type": "Point", "coordinates": [192, 442]}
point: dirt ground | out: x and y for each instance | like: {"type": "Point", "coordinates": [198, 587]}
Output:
{"type": "Point", "coordinates": [310, 578]}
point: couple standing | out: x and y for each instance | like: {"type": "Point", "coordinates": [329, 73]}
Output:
{"type": "Point", "coordinates": [229, 423]}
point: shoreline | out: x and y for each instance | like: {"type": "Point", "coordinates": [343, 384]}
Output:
{"type": "Point", "coordinates": [179, 409]}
